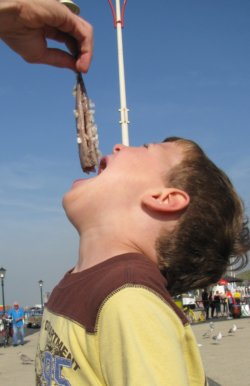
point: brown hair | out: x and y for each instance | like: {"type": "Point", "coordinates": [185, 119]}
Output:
{"type": "Point", "coordinates": [211, 232]}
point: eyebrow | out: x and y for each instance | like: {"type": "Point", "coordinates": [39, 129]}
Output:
{"type": "Point", "coordinates": [171, 139]}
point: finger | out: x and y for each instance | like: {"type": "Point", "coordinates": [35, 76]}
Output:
{"type": "Point", "coordinates": [85, 48]}
{"type": "Point", "coordinates": [83, 62]}
{"type": "Point", "coordinates": [55, 57]}
{"type": "Point", "coordinates": [82, 31]}
{"type": "Point", "coordinates": [62, 37]}
{"type": "Point", "coordinates": [81, 48]}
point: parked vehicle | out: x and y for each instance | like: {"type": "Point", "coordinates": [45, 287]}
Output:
{"type": "Point", "coordinates": [34, 319]}
{"type": "Point", "coordinates": [6, 330]}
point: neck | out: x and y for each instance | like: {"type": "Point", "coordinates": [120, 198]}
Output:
{"type": "Point", "coordinates": [101, 239]}
{"type": "Point", "coordinates": [99, 245]}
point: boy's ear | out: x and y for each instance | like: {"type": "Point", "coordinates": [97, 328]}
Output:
{"type": "Point", "coordinates": [167, 200]}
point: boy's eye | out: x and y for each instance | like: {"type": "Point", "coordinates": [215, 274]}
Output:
{"type": "Point", "coordinates": [147, 145]}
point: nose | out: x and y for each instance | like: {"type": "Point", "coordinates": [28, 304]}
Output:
{"type": "Point", "coordinates": [118, 147]}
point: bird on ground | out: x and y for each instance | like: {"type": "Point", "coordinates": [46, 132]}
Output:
{"type": "Point", "coordinates": [233, 329]}
{"type": "Point", "coordinates": [208, 333]}
{"type": "Point", "coordinates": [217, 338]}
{"type": "Point", "coordinates": [25, 359]}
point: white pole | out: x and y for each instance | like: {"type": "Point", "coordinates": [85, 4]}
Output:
{"type": "Point", "coordinates": [123, 110]}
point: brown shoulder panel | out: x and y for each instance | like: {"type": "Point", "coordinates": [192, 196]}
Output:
{"type": "Point", "coordinates": [79, 296]}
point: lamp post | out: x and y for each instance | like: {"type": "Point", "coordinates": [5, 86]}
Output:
{"type": "Point", "coordinates": [118, 18]}
{"type": "Point", "coordinates": [2, 276]}
{"type": "Point", "coordinates": [41, 291]}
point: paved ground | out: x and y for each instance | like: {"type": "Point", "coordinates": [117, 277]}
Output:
{"type": "Point", "coordinates": [227, 363]}
{"type": "Point", "coordinates": [15, 368]}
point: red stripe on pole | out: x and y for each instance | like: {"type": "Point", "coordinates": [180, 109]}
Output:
{"type": "Point", "coordinates": [123, 11]}
{"type": "Point", "coordinates": [113, 12]}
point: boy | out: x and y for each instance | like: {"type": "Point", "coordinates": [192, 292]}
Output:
{"type": "Point", "coordinates": [158, 219]}
{"type": "Point", "coordinates": [157, 210]}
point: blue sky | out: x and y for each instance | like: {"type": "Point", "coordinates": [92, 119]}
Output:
{"type": "Point", "coordinates": [187, 65]}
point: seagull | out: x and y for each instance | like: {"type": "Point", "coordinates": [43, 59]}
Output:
{"type": "Point", "coordinates": [208, 333]}
{"type": "Point", "coordinates": [25, 359]}
{"type": "Point", "coordinates": [233, 329]}
{"type": "Point", "coordinates": [217, 337]}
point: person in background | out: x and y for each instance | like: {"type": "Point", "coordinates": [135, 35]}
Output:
{"type": "Point", "coordinates": [224, 304]}
{"type": "Point", "coordinates": [17, 316]}
{"type": "Point", "coordinates": [217, 304]}
{"type": "Point", "coordinates": [230, 300]}
{"type": "Point", "coordinates": [237, 296]}
{"type": "Point", "coordinates": [211, 303]}
{"type": "Point", "coordinates": [205, 302]}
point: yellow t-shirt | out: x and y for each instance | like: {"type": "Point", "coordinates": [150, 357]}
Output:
{"type": "Point", "coordinates": [121, 328]}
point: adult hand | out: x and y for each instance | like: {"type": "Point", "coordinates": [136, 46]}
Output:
{"type": "Point", "coordinates": [25, 26]}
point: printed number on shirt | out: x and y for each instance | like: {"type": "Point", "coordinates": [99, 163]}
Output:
{"type": "Point", "coordinates": [52, 368]}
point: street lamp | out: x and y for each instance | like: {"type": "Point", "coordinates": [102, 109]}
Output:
{"type": "Point", "coordinates": [2, 276]}
{"type": "Point", "coordinates": [118, 18]}
{"type": "Point", "coordinates": [41, 291]}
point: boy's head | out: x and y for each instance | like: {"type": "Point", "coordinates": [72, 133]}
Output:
{"type": "Point", "coordinates": [210, 232]}
{"type": "Point", "coordinates": [167, 201]}
{"type": "Point", "coordinates": [129, 180]}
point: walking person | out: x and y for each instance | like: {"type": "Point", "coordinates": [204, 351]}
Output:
{"type": "Point", "coordinates": [205, 302]}
{"type": "Point", "coordinates": [17, 315]}
{"type": "Point", "coordinates": [224, 304]}
{"type": "Point", "coordinates": [217, 305]}
{"type": "Point", "coordinates": [230, 301]}
{"type": "Point", "coordinates": [211, 303]}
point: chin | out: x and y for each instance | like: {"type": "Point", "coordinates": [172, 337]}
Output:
{"type": "Point", "coordinates": [70, 214]}
{"type": "Point", "coordinates": [66, 203]}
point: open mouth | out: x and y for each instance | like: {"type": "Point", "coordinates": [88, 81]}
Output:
{"type": "Point", "coordinates": [103, 165]}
